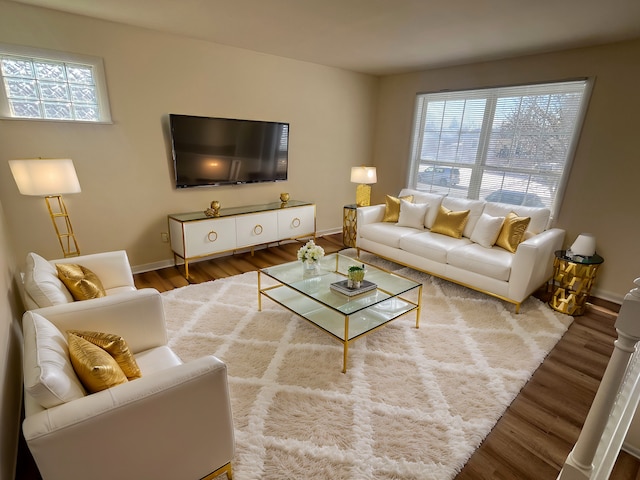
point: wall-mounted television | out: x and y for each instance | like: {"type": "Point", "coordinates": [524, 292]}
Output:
{"type": "Point", "coordinates": [210, 151]}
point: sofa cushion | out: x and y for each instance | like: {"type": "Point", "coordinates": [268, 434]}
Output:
{"type": "Point", "coordinates": [539, 216]}
{"type": "Point", "coordinates": [475, 208]}
{"type": "Point", "coordinates": [450, 223]}
{"type": "Point", "coordinates": [49, 377]}
{"type": "Point", "coordinates": [432, 246]}
{"type": "Point", "coordinates": [80, 281]}
{"type": "Point", "coordinates": [492, 262]}
{"type": "Point", "coordinates": [392, 207]}
{"type": "Point", "coordinates": [512, 232]}
{"type": "Point", "coordinates": [385, 233]}
{"type": "Point", "coordinates": [42, 284]}
{"type": "Point", "coordinates": [96, 369]}
{"type": "Point", "coordinates": [432, 199]}
{"type": "Point", "coordinates": [412, 214]}
{"type": "Point", "coordinates": [487, 230]}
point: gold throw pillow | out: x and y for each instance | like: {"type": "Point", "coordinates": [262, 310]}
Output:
{"type": "Point", "coordinates": [96, 369]}
{"type": "Point", "coordinates": [450, 223]}
{"type": "Point", "coordinates": [81, 282]}
{"type": "Point", "coordinates": [512, 232]}
{"type": "Point", "coordinates": [115, 346]}
{"type": "Point", "coordinates": [392, 207]}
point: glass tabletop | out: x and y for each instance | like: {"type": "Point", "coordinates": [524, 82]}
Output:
{"type": "Point", "coordinates": [333, 268]}
{"type": "Point", "coordinates": [232, 211]}
{"type": "Point", "coordinates": [594, 259]}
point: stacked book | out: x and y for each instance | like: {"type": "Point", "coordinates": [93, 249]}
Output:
{"type": "Point", "coordinates": [343, 288]}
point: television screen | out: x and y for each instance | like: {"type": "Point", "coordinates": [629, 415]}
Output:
{"type": "Point", "coordinates": [223, 151]}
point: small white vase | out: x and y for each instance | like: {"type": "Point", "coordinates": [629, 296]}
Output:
{"type": "Point", "coordinates": [310, 268]}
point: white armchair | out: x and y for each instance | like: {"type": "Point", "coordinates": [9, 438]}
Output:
{"type": "Point", "coordinates": [174, 422]}
{"type": "Point", "coordinates": [43, 288]}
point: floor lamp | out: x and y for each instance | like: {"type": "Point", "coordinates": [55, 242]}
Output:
{"type": "Point", "coordinates": [50, 178]}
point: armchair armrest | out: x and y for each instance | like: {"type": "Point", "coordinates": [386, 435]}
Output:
{"type": "Point", "coordinates": [176, 423]}
{"type": "Point", "coordinates": [112, 268]}
{"type": "Point", "coordinates": [533, 263]}
{"type": "Point", "coordinates": [137, 316]}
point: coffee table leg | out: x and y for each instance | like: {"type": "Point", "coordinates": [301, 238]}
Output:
{"type": "Point", "coordinates": [419, 306]}
{"type": "Point", "coordinates": [346, 344]}
{"type": "Point", "coordinates": [259, 294]}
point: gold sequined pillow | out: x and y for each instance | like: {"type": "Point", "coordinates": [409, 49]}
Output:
{"type": "Point", "coordinates": [115, 346]}
{"type": "Point", "coordinates": [80, 281]}
{"type": "Point", "coordinates": [512, 232]}
{"type": "Point", "coordinates": [392, 208]}
{"type": "Point", "coordinates": [96, 369]}
{"type": "Point", "coordinates": [450, 223]}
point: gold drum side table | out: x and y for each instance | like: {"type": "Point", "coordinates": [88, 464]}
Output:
{"type": "Point", "coordinates": [573, 278]}
{"type": "Point", "coordinates": [349, 225]}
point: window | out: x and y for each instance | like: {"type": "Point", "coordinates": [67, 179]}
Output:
{"type": "Point", "coordinates": [512, 144]}
{"type": "Point", "coordinates": [48, 85]}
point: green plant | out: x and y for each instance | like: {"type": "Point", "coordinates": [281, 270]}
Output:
{"type": "Point", "coordinates": [356, 273]}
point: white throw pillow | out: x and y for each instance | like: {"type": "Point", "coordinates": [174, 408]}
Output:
{"type": "Point", "coordinates": [487, 229]}
{"type": "Point", "coordinates": [49, 376]}
{"type": "Point", "coordinates": [434, 200]}
{"type": "Point", "coordinates": [42, 284]}
{"type": "Point", "coordinates": [412, 214]}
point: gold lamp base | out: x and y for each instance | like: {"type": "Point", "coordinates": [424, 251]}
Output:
{"type": "Point", "coordinates": [363, 195]}
{"type": "Point", "coordinates": [62, 224]}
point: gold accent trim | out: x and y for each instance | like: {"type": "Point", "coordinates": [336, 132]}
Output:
{"type": "Point", "coordinates": [486, 292]}
{"type": "Point", "coordinates": [363, 195]}
{"type": "Point", "coordinates": [349, 226]}
{"type": "Point", "coordinates": [224, 469]}
{"type": "Point", "coordinates": [65, 234]}
{"type": "Point", "coordinates": [571, 285]}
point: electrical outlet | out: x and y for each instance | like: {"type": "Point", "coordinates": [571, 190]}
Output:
{"type": "Point", "coordinates": [164, 236]}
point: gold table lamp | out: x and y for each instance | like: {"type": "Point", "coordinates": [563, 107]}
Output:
{"type": "Point", "coordinates": [50, 178]}
{"type": "Point", "coordinates": [364, 176]}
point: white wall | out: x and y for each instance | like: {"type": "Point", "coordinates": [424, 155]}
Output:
{"type": "Point", "coordinates": [125, 169]}
{"type": "Point", "coordinates": [10, 356]}
{"type": "Point", "coordinates": [601, 194]}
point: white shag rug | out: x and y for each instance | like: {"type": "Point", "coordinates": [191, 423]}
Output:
{"type": "Point", "coordinates": [414, 403]}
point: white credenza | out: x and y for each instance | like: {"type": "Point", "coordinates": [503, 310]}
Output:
{"type": "Point", "coordinates": [194, 235]}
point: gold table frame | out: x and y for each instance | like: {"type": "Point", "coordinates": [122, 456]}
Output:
{"type": "Point", "coordinates": [349, 225]}
{"type": "Point", "coordinates": [573, 278]}
{"type": "Point", "coordinates": [312, 299]}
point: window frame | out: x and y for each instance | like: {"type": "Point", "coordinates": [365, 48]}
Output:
{"type": "Point", "coordinates": [98, 72]}
{"type": "Point", "coordinates": [479, 166]}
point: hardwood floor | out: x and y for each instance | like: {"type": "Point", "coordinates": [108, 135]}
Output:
{"type": "Point", "coordinates": [537, 432]}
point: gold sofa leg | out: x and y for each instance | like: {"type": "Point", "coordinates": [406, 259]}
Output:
{"type": "Point", "coordinates": [224, 469]}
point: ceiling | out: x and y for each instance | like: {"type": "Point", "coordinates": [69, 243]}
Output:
{"type": "Point", "coordinates": [378, 36]}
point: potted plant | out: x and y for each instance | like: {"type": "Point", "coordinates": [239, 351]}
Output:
{"type": "Point", "coordinates": [355, 275]}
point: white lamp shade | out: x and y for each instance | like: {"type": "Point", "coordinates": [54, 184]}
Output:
{"type": "Point", "coordinates": [363, 175]}
{"type": "Point", "coordinates": [585, 245]}
{"type": "Point", "coordinates": [42, 177]}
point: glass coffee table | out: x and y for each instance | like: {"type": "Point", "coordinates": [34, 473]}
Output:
{"type": "Point", "coordinates": [344, 318]}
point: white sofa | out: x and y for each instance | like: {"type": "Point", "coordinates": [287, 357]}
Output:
{"type": "Point", "coordinates": [487, 268]}
{"type": "Point", "coordinates": [174, 422]}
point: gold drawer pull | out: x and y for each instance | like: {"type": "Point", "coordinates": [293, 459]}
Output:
{"type": "Point", "coordinates": [212, 236]}
{"type": "Point", "coordinates": [257, 229]}
{"type": "Point", "coordinates": [295, 222]}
